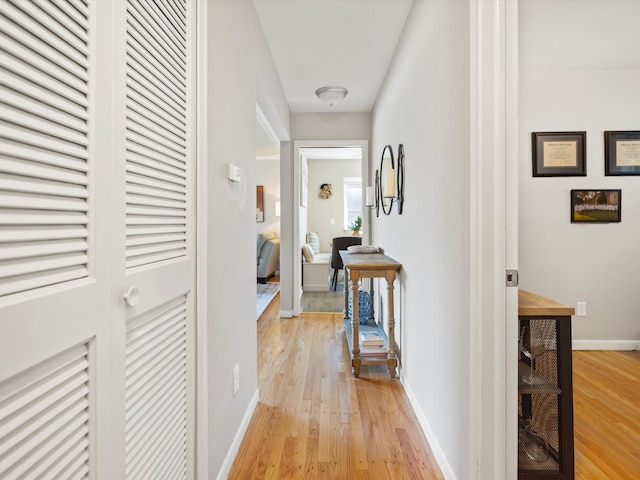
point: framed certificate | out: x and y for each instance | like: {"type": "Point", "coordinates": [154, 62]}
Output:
{"type": "Point", "coordinates": [559, 154]}
{"type": "Point", "coordinates": [622, 153]}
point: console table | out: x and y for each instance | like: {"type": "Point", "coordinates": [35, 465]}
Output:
{"type": "Point", "coordinates": [369, 265]}
{"type": "Point", "coordinates": [545, 389]}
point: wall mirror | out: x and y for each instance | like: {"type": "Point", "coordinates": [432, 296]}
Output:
{"type": "Point", "coordinates": [387, 180]}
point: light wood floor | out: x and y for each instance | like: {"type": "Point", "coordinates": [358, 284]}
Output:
{"type": "Point", "coordinates": [314, 420]}
{"type": "Point", "coordinates": [606, 393]}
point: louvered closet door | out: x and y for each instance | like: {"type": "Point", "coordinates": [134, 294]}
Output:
{"type": "Point", "coordinates": [52, 297]}
{"type": "Point", "coordinates": [158, 240]}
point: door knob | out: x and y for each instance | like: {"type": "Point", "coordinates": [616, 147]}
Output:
{"type": "Point", "coordinates": [132, 296]}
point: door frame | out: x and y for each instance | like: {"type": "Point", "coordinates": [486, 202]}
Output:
{"type": "Point", "coordinates": [295, 234]}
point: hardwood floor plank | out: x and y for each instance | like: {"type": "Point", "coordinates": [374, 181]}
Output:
{"type": "Point", "coordinates": [606, 387]}
{"type": "Point", "coordinates": [315, 420]}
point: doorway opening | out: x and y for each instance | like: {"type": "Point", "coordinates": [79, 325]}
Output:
{"type": "Point", "coordinates": [332, 185]}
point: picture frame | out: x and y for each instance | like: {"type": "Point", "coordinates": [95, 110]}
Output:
{"type": "Point", "coordinates": [621, 153]}
{"type": "Point", "coordinates": [559, 154]}
{"type": "Point", "coordinates": [596, 206]}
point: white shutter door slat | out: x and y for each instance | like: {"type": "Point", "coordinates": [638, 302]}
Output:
{"type": "Point", "coordinates": [173, 25]}
{"type": "Point", "coordinates": [134, 189]}
{"type": "Point", "coordinates": [156, 230]}
{"type": "Point", "coordinates": [66, 16]}
{"type": "Point", "coordinates": [42, 57]}
{"type": "Point", "coordinates": [46, 97]}
{"type": "Point", "coordinates": [44, 420]}
{"type": "Point", "coordinates": [42, 171]}
{"type": "Point", "coordinates": [157, 128]}
{"type": "Point", "coordinates": [154, 201]}
{"type": "Point", "coordinates": [31, 74]}
{"type": "Point", "coordinates": [28, 217]}
{"type": "Point", "coordinates": [41, 116]}
{"type": "Point", "coordinates": [44, 139]}
{"type": "Point", "coordinates": [156, 148]}
{"type": "Point", "coordinates": [137, 261]}
{"type": "Point", "coordinates": [41, 278]}
{"type": "Point", "coordinates": [161, 113]}
{"type": "Point", "coordinates": [161, 186]}
{"type": "Point", "coordinates": [156, 76]}
{"type": "Point", "coordinates": [42, 202]}
{"type": "Point", "coordinates": [155, 174]}
{"type": "Point", "coordinates": [165, 48]}
{"type": "Point", "coordinates": [26, 266]}
{"type": "Point", "coordinates": [17, 183]}
{"type": "Point", "coordinates": [139, 127]}
{"type": "Point", "coordinates": [146, 91]}
{"type": "Point", "coordinates": [156, 238]}
{"type": "Point", "coordinates": [25, 135]}
{"type": "Point", "coordinates": [10, 251]}
{"type": "Point", "coordinates": [31, 153]}
{"type": "Point", "coordinates": [45, 28]}
{"type": "Point", "coordinates": [142, 155]}
{"type": "Point", "coordinates": [156, 376]}
{"type": "Point", "coordinates": [34, 233]}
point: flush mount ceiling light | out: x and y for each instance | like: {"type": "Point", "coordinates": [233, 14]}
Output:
{"type": "Point", "coordinates": [331, 95]}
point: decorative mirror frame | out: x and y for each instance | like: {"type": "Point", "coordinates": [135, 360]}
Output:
{"type": "Point", "coordinates": [381, 179]}
{"type": "Point", "coordinates": [377, 193]}
{"type": "Point", "coordinates": [400, 178]}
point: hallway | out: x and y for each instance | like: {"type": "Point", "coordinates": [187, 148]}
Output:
{"type": "Point", "coordinates": [314, 420]}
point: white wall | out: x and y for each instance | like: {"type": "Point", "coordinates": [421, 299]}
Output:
{"type": "Point", "coordinates": [319, 211]}
{"type": "Point", "coordinates": [268, 175]}
{"type": "Point", "coordinates": [424, 104]}
{"type": "Point", "coordinates": [580, 71]}
{"type": "Point", "coordinates": [233, 66]}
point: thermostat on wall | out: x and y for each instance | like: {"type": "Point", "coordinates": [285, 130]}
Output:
{"type": "Point", "coordinates": [233, 172]}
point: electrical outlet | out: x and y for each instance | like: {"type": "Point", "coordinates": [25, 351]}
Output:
{"type": "Point", "coordinates": [236, 379]}
{"type": "Point", "coordinates": [581, 309]}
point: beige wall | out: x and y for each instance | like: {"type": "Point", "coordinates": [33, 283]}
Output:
{"type": "Point", "coordinates": [320, 212]}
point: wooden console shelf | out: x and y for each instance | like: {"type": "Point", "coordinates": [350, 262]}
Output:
{"type": "Point", "coordinates": [546, 400]}
{"type": "Point", "coordinates": [369, 265]}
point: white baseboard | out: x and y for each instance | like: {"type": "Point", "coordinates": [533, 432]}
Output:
{"type": "Point", "coordinates": [223, 473]}
{"type": "Point", "coordinates": [606, 344]}
{"type": "Point", "coordinates": [439, 455]}
{"type": "Point", "coordinates": [286, 313]}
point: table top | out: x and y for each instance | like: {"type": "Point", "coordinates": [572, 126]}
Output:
{"type": "Point", "coordinates": [369, 261]}
{"type": "Point", "coordinates": [530, 304]}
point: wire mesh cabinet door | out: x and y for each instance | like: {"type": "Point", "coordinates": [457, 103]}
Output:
{"type": "Point", "coordinates": [545, 410]}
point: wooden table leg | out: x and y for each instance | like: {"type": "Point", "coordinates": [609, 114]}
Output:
{"type": "Point", "coordinates": [346, 294]}
{"type": "Point", "coordinates": [392, 360]}
{"type": "Point", "coordinates": [355, 357]}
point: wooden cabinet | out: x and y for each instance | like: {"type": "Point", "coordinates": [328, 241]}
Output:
{"type": "Point", "coordinates": [545, 391]}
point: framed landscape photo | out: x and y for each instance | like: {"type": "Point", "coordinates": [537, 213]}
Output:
{"type": "Point", "coordinates": [596, 206]}
{"type": "Point", "coordinates": [559, 154]}
{"type": "Point", "coordinates": [622, 153]}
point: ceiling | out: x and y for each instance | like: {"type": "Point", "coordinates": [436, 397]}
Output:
{"type": "Point", "coordinates": [315, 43]}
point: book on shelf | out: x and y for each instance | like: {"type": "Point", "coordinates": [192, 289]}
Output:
{"type": "Point", "coordinates": [371, 339]}
{"type": "Point", "coordinates": [373, 352]}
